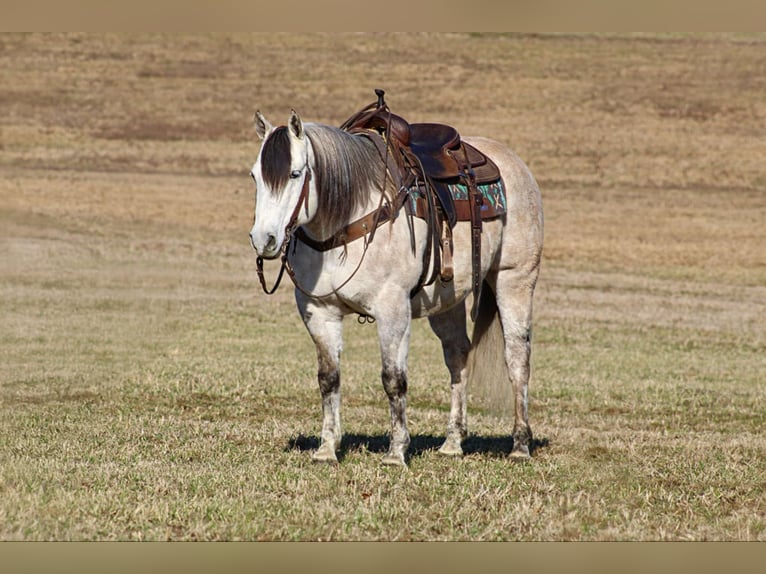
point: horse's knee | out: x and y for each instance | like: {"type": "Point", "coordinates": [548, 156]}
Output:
{"type": "Point", "coordinates": [394, 382]}
{"type": "Point", "coordinates": [329, 380]}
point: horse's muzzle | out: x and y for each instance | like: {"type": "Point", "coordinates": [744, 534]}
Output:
{"type": "Point", "coordinates": [270, 250]}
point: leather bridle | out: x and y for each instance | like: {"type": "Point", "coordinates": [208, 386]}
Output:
{"type": "Point", "coordinates": [292, 225]}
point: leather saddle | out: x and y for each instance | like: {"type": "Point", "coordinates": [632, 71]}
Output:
{"type": "Point", "coordinates": [439, 152]}
{"type": "Point", "coordinates": [431, 156]}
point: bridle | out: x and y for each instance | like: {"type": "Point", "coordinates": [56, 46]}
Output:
{"type": "Point", "coordinates": [292, 225]}
{"type": "Point", "coordinates": [376, 218]}
{"type": "Point", "coordinates": [368, 223]}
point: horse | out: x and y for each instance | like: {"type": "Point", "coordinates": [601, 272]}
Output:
{"type": "Point", "coordinates": [315, 179]}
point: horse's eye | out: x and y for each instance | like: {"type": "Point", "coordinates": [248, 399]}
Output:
{"type": "Point", "coordinates": [295, 174]}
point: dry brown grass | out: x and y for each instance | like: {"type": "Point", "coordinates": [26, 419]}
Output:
{"type": "Point", "coordinates": [151, 392]}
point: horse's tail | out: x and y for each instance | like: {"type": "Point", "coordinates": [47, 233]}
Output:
{"type": "Point", "coordinates": [488, 377]}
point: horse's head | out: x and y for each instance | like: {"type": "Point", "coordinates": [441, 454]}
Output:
{"type": "Point", "coordinates": [282, 176]}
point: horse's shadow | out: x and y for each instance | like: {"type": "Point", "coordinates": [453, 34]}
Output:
{"type": "Point", "coordinates": [492, 446]}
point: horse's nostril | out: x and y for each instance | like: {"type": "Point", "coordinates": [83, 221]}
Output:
{"type": "Point", "coordinates": [272, 243]}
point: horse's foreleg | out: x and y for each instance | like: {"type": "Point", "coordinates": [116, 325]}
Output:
{"type": "Point", "coordinates": [450, 327]}
{"type": "Point", "coordinates": [394, 335]}
{"type": "Point", "coordinates": [325, 324]}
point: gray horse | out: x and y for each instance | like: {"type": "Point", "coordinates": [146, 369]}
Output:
{"type": "Point", "coordinates": [320, 178]}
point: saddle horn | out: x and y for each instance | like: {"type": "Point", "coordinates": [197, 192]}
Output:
{"type": "Point", "coordinates": [380, 93]}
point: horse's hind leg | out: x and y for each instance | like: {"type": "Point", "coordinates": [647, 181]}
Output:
{"type": "Point", "coordinates": [450, 327]}
{"type": "Point", "coordinates": [514, 290]}
{"type": "Point", "coordinates": [325, 324]}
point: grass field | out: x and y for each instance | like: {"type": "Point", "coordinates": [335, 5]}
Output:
{"type": "Point", "coordinates": [150, 391]}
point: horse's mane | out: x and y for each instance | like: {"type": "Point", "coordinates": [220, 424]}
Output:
{"type": "Point", "coordinates": [346, 167]}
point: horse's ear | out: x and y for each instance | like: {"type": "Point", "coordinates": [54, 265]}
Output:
{"type": "Point", "coordinates": [262, 125]}
{"type": "Point", "coordinates": [296, 125]}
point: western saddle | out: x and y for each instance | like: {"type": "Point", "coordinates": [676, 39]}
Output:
{"type": "Point", "coordinates": [423, 160]}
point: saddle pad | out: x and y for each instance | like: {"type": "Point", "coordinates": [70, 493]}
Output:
{"type": "Point", "coordinates": [493, 193]}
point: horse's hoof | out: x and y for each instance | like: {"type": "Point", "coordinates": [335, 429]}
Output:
{"type": "Point", "coordinates": [333, 460]}
{"type": "Point", "coordinates": [451, 447]}
{"type": "Point", "coordinates": [394, 459]}
{"type": "Point", "coordinates": [520, 454]}
{"type": "Point", "coordinates": [325, 454]}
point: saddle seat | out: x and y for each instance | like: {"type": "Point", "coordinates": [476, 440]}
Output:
{"type": "Point", "coordinates": [445, 156]}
